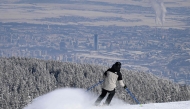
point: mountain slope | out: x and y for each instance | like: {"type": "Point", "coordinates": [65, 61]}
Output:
{"type": "Point", "coordinates": [23, 79]}
{"type": "Point", "coordinates": [65, 98]}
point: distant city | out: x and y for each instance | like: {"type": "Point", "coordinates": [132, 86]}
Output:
{"type": "Point", "coordinates": [162, 51]}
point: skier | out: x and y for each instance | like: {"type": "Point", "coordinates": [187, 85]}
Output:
{"type": "Point", "coordinates": [111, 76]}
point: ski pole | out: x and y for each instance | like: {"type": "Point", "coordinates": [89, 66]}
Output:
{"type": "Point", "coordinates": [132, 96]}
{"type": "Point", "coordinates": [100, 82]}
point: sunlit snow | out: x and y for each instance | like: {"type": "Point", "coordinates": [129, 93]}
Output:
{"type": "Point", "coordinates": [72, 98]}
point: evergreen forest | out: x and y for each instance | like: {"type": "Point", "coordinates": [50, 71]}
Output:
{"type": "Point", "coordinates": [23, 79]}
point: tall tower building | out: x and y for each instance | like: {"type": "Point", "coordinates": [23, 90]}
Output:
{"type": "Point", "coordinates": [96, 42]}
{"type": "Point", "coordinates": [63, 46]}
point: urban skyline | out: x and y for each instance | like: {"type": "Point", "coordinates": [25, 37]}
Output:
{"type": "Point", "coordinates": [126, 32]}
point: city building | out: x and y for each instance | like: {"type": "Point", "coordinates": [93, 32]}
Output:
{"type": "Point", "coordinates": [96, 42]}
{"type": "Point", "coordinates": [63, 46]}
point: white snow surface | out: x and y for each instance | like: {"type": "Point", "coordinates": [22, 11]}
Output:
{"type": "Point", "coordinates": [72, 98]}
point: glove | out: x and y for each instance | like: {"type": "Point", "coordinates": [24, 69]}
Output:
{"type": "Point", "coordinates": [125, 87]}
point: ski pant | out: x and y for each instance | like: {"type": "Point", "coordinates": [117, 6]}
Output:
{"type": "Point", "coordinates": [103, 94]}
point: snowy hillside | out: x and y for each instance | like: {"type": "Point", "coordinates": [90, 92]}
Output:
{"type": "Point", "coordinates": [80, 99]}
{"type": "Point", "coordinates": [24, 79]}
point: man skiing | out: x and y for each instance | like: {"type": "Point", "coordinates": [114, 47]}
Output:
{"type": "Point", "coordinates": [111, 76]}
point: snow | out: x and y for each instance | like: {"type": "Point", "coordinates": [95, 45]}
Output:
{"type": "Point", "coordinates": [72, 98]}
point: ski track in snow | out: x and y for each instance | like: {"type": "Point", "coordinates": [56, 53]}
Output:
{"type": "Point", "coordinates": [72, 98]}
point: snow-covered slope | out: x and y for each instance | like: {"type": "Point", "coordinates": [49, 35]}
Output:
{"type": "Point", "coordinates": [70, 98]}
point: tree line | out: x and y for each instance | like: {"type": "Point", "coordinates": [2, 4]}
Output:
{"type": "Point", "coordinates": [23, 79]}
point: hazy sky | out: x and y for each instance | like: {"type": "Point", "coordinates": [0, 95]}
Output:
{"type": "Point", "coordinates": [155, 12]}
{"type": "Point", "coordinates": [170, 2]}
